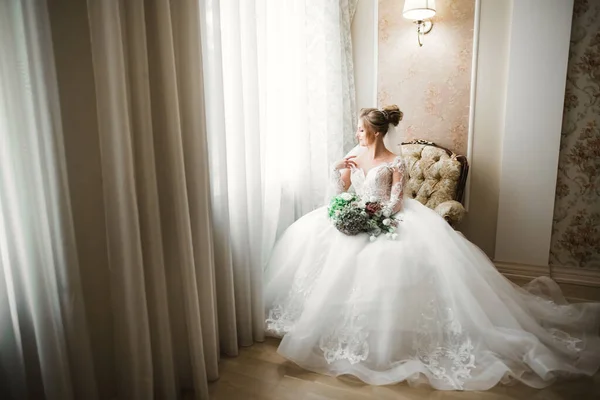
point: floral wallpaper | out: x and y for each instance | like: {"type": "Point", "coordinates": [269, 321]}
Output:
{"type": "Point", "coordinates": [430, 84]}
{"type": "Point", "coordinates": [576, 226]}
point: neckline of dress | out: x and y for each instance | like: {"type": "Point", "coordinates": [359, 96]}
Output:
{"type": "Point", "coordinates": [377, 166]}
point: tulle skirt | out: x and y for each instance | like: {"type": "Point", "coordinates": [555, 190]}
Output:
{"type": "Point", "coordinates": [426, 308]}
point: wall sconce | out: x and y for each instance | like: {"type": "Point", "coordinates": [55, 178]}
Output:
{"type": "Point", "coordinates": [420, 11]}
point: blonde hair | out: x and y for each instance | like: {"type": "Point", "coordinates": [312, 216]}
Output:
{"type": "Point", "coordinates": [379, 119]}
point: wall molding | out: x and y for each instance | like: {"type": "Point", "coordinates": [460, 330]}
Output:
{"type": "Point", "coordinates": [472, 99]}
{"type": "Point", "coordinates": [522, 271]}
{"type": "Point", "coordinates": [375, 52]}
{"type": "Point", "coordinates": [574, 276]}
{"type": "Point", "coordinates": [577, 284]}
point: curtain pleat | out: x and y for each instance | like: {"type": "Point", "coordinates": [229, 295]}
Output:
{"type": "Point", "coordinates": [148, 72]}
{"type": "Point", "coordinates": [44, 343]}
{"type": "Point", "coordinates": [212, 73]}
{"type": "Point", "coordinates": [132, 333]}
{"type": "Point", "coordinates": [188, 54]}
{"type": "Point", "coordinates": [137, 71]}
{"type": "Point", "coordinates": [175, 204]}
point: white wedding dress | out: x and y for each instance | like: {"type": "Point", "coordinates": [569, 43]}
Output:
{"type": "Point", "coordinates": [428, 307]}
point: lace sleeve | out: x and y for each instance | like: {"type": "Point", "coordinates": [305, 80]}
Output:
{"type": "Point", "coordinates": [397, 189]}
{"type": "Point", "coordinates": [338, 181]}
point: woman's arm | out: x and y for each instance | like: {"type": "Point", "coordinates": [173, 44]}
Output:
{"type": "Point", "coordinates": [339, 181]}
{"type": "Point", "coordinates": [339, 177]}
{"type": "Point", "coordinates": [397, 191]}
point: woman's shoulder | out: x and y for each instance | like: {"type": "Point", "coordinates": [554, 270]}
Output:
{"type": "Point", "coordinates": [390, 159]}
{"type": "Point", "coordinates": [393, 158]}
{"type": "Point", "coordinates": [396, 162]}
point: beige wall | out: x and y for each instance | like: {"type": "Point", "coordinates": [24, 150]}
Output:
{"type": "Point", "coordinates": [537, 71]}
{"type": "Point", "coordinates": [488, 124]}
{"type": "Point", "coordinates": [431, 84]}
{"type": "Point", "coordinates": [490, 93]}
{"type": "Point", "coordinates": [71, 41]}
{"type": "Point", "coordinates": [364, 48]}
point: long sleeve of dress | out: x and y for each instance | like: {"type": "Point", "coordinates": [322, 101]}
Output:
{"type": "Point", "coordinates": [338, 182]}
{"type": "Point", "coordinates": [394, 205]}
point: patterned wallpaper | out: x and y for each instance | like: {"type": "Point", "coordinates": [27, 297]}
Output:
{"type": "Point", "coordinates": [576, 227]}
{"type": "Point", "coordinates": [431, 84]}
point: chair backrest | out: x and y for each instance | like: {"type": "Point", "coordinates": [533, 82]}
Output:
{"type": "Point", "coordinates": [435, 174]}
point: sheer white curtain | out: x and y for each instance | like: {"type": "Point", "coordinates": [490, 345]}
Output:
{"type": "Point", "coordinates": [44, 343]}
{"type": "Point", "coordinates": [280, 84]}
{"type": "Point", "coordinates": [280, 78]}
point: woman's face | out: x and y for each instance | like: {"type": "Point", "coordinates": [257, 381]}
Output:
{"type": "Point", "coordinates": [361, 133]}
{"type": "Point", "coordinates": [363, 136]}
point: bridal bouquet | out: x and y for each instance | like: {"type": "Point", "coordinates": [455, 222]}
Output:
{"type": "Point", "coordinates": [351, 216]}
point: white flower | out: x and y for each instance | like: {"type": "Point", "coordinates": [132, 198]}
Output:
{"type": "Point", "coordinates": [387, 222]}
{"type": "Point", "coordinates": [392, 229]}
{"type": "Point", "coordinates": [373, 199]}
{"type": "Point", "coordinates": [394, 236]}
{"type": "Point", "coordinates": [361, 204]}
{"type": "Point", "coordinates": [388, 235]}
{"type": "Point", "coordinates": [387, 213]}
{"type": "Point", "coordinates": [337, 212]}
{"type": "Point", "coordinates": [346, 196]}
{"type": "Point", "coordinates": [372, 238]}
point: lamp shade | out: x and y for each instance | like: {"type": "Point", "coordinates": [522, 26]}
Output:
{"type": "Point", "coordinates": [418, 9]}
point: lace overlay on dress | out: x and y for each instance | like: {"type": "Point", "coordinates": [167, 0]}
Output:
{"type": "Point", "coordinates": [376, 184]}
{"type": "Point", "coordinates": [570, 342]}
{"type": "Point", "coordinates": [442, 345]}
{"type": "Point", "coordinates": [285, 311]}
{"type": "Point", "coordinates": [336, 183]}
{"type": "Point", "coordinates": [347, 340]}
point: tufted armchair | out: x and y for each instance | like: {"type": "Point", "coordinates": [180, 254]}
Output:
{"type": "Point", "coordinates": [436, 178]}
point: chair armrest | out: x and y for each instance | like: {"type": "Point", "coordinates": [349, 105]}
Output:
{"type": "Point", "coordinates": [452, 211]}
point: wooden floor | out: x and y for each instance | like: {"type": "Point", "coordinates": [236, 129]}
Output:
{"type": "Point", "coordinates": [260, 373]}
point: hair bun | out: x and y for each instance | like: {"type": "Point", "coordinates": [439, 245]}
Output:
{"type": "Point", "coordinates": [393, 114]}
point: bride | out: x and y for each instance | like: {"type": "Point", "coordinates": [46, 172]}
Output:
{"type": "Point", "coordinates": [425, 307]}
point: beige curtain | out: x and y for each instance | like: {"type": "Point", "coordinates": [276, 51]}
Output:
{"type": "Point", "coordinates": [148, 72]}
{"type": "Point", "coordinates": [44, 338]}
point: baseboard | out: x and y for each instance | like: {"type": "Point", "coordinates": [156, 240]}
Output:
{"type": "Point", "coordinates": [577, 284]}
{"type": "Point", "coordinates": [522, 271]}
{"type": "Point", "coordinates": [576, 276]}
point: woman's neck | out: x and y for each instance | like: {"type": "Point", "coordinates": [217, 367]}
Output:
{"type": "Point", "coordinates": [376, 150]}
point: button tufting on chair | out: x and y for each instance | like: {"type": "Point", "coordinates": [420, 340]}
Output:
{"type": "Point", "coordinates": [436, 185]}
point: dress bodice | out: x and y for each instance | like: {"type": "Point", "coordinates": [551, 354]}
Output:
{"type": "Point", "coordinates": [376, 184]}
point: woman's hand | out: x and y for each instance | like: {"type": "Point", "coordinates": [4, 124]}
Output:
{"type": "Point", "coordinates": [345, 163]}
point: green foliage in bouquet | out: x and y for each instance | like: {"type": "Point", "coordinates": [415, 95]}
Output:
{"type": "Point", "coordinates": [339, 203]}
{"type": "Point", "coordinates": [352, 216]}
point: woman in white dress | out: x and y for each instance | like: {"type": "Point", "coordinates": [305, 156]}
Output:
{"type": "Point", "coordinates": [426, 307]}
